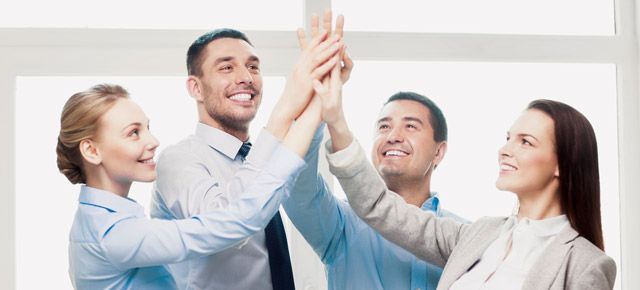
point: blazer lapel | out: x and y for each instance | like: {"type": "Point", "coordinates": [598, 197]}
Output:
{"type": "Point", "coordinates": [546, 269]}
{"type": "Point", "coordinates": [469, 253]}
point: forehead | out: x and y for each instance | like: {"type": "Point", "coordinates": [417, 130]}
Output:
{"type": "Point", "coordinates": [534, 122]}
{"type": "Point", "coordinates": [397, 110]}
{"type": "Point", "coordinates": [228, 47]}
{"type": "Point", "coordinates": [123, 113]}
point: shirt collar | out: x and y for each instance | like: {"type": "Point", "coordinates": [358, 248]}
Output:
{"type": "Point", "coordinates": [541, 228]}
{"type": "Point", "coordinates": [219, 140]}
{"type": "Point", "coordinates": [432, 203]}
{"type": "Point", "coordinates": [108, 200]}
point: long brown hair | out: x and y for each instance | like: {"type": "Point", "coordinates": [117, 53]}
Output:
{"type": "Point", "coordinates": [577, 153]}
{"type": "Point", "coordinates": [79, 121]}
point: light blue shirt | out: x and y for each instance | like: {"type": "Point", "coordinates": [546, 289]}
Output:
{"type": "Point", "coordinates": [113, 245]}
{"type": "Point", "coordinates": [354, 254]}
{"type": "Point", "coordinates": [197, 175]}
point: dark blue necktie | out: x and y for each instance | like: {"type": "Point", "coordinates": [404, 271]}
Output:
{"type": "Point", "coordinates": [244, 150]}
{"type": "Point", "coordinates": [276, 242]}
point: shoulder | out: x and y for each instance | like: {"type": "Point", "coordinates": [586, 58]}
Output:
{"type": "Point", "coordinates": [184, 153]}
{"type": "Point", "coordinates": [587, 253]}
{"type": "Point", "coordinates": [184, 149]}
{"type": "Point", "coordinates": [92, 223]}
{"type": "Point", "coordinates": [590, 265]}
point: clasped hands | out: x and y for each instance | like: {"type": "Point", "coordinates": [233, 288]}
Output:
{"type": "Point", "coordinates": [313, 91]}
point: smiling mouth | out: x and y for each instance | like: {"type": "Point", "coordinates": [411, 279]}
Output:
{"type": "Point", "coordinates": [394, 153]}
{"type": "Point", "coordinates": [149, 161]}
{"type": "Point", "coordinates": [242, 97]}
{"type": "Point", "coordinates": [507, 168]}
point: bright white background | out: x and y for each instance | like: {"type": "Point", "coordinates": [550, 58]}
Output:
{"type": "Point", "coordinates": [480, 101]}
{"type": "Point", "coordinates": [151, 38]}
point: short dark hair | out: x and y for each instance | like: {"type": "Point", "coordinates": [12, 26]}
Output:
{"type": "Point", "coordinates": [196, 51]}
{"type": "Point", "coordinates": [436, 117]}
{"type": "Point", "coordinates": [577, 152]}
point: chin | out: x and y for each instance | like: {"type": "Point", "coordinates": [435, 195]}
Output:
{"type": "Point", "coordinates": [148, 178]}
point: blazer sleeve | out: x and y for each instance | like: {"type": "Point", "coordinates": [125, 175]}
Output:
{"type": "Point", "coordinates": [417, 231]}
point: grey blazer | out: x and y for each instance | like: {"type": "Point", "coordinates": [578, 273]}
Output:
{"type": "Point", "coordinates": [569, 262]}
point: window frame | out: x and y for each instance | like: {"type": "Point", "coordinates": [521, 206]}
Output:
{"type": "Point", "coordinates": [67, 52]}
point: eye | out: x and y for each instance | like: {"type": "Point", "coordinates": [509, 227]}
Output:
{"type": "Point", "coordinates": [411, 126]}
{"type": "Point", "coordinates": [254, 67]}
{"type": "Point", "coordinates": [525, 142]}
{"type": "Point", "coordinates": [134, 133]}
{"type": "Point", "coordinates": [226, 68]}
{"type": "Point", "coordinates": [383, 127]}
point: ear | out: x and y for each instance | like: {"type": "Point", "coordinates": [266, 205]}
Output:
{"type": "Point", "coordinates": [90, 152]}
{"type": "Point", "coordinates": [194, 86]}
{"type": "Point", "coordinates": [441, 150]}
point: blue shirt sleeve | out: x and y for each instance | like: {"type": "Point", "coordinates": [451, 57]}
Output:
{"type": "Point", "coordinates": [319, 216]}
{"type": "Point", "coordinates": [139, 242]}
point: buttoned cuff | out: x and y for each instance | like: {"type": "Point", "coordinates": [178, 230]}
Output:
{"type": "Point", "coordinates": [263, 148]}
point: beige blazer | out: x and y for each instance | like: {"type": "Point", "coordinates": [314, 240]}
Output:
{"type": "Point", "coordinates": [570, 261]}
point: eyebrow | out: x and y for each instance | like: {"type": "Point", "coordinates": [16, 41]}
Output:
{"type": "Point", "coordinates": [524, 135]}
{"type": "Point", "coordinates": [133, 124]}
{"type": "Point", "coordinates": [230, 58]}
{"type": "Point", "coordinates": [387, 119]}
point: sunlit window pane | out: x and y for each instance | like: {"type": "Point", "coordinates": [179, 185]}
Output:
{"type": "Point", "coordinates": [568, 17]}
{"type": "Point", "coordinates": [143, 14]}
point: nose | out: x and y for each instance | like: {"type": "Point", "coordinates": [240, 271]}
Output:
{"type": "Point", "coordinates": [395, 135]}
{"type": "Point", "coordinates": [244, 77]}
{"type": "Point", "coordinates": [505, 150]}
{"type": "Point", "coordinates": [153, 143]}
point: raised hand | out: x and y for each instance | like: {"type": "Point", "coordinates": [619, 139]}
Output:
{"type": "Point", "coordinates": [315, 61]}
{"type": "Point", "coordinates": [329, 91]}
{"type": "Point", "coordinates": [347, 62]}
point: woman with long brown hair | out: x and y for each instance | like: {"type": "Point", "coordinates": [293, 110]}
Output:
{"type": "Point", "coordinates": [549, 161]}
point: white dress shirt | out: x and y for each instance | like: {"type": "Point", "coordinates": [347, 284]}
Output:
{"type": "Point", "coordinates": [507, 261]}
{"type": "Point", "coordinates": [194, 176]}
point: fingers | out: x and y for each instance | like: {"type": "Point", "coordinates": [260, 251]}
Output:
{"type": "Point", "coordinates": [345, 72]}
{"type": "Point", "coordinates": [302, 39]}
{"type": "Point", "coordinates": [320, 89]}
{"type": "Point", "coordinates": [326, 50]}
{"type": "Point", "coordinates": [326, 20]}
{"type": "Point", "coordinates": [325, 67]}
{"type": "Point", "coordinates": [318, 39]}
{"type": "Point", "coordinates": [315, 25]}
{"type": "Point", "coordinates": [340, 25]}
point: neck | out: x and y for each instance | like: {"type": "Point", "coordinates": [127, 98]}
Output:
{"type": "Point", "coordinates": [241, 132]}
{"type": "Point", "coordinates": [539, 206]}
{"type": "Point", "coordinates": [413, 192]}
{"type": "Point", "coordinates": [101, 181]}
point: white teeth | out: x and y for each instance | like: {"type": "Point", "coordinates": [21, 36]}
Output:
{"type": "Point", "coordinates": [507, 167]}
{"type": "Point", "coordinates": [395, 153]}
{"type": "Point", "coordinates": [241, 97]}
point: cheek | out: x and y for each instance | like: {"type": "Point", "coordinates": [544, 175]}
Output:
{"type": "Point", "coordinates": [541, 164]}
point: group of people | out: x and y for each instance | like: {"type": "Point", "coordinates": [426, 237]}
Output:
{"type": "Point", "coordinates": [215, 206]}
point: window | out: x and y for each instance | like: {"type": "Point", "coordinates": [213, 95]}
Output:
{"type": "Point", "coordinates": [489, 16]}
